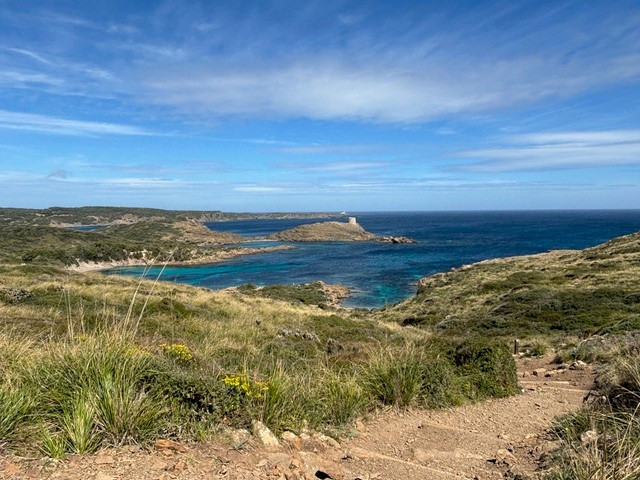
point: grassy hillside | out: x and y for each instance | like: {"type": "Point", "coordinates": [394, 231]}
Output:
{"type": "Point", "coordinates": [557, 293]}
{"type": "Point", "coordinates": [110, 215]}
{"type": "Point", "coordinates": [153, 241]}
{"type": "Point", "coordinates": [88, 360]}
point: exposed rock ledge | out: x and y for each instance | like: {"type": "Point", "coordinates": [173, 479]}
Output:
{"type": "Point", "coordinates": [397, 240]}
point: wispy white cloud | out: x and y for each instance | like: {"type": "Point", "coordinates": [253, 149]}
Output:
{"type": "Point", "coordinates": [346, 167]}
{"type": "Point", "coordinates": [261, 189]}
{"type": "Point", "coordinates": [424, 73]}
{"type": "Point", "coordinates": [557, 150]}
{"type": "Point", "coordinates": [604, 137]}
{"type": "Point", "coordinates": [61, 126]}
{"type": "Point", "coordinates": [323, 149]}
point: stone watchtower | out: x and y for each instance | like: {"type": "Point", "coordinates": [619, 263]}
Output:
{"type": "Point", "coordinates": [353, 221]}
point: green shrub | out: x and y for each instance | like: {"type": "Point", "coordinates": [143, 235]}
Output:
{"type": "Point", "coordinates": [489, 368]}
{"type": "Point", "coordinates": [200, 397]}
{"type": "Point", "coordinates": [537, 349]}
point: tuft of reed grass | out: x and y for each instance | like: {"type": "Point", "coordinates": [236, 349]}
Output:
{"type": "Point", "coordinates": [78, 426]}
{"type": "Point", "coordinates": [602, 441]}
{"type": "Point", "coordinates": [608, 450]}
{"type": "Point", "coordinates": [53, 445]}
{"type": "Point", "coordinates": [394, 378]}
{"type": "Point", "coordinates": [15, 405]}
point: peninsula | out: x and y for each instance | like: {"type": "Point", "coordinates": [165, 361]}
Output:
{"type": "Point", "coordinates": [349, 231]}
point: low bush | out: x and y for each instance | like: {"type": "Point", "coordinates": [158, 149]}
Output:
{"type": "Point", "coordinates": [537, 349]}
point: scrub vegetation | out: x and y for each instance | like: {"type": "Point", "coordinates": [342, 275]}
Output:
{"type": "Point", "coordinates": [90, 360]}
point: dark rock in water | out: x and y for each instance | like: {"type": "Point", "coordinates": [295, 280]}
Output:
{"type": "Point", "coordinates": [397, 240]}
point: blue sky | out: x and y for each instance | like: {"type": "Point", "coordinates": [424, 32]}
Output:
{"type": "Point", "coordinates": [320, 105]}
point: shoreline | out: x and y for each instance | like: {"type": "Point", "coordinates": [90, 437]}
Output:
{"type": "Point", "coordinates": [217, 257]}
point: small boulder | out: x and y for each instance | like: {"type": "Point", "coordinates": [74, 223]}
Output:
{"type": "Point", "coordinates": [316, 467]}
{"type": "Point", "coordinates": [325, 439]}
{"type": "Point", "coordinates": [503, 456]}
{"type": "Point", "coordinates": [265, 435]}
{"type": "Point", "coordinates": [292, 439]}
{"type": "Point", "coordinates": [166, 444]}
{"type": "Point", "coordinates": [419, 455]}
{"type": "Point", "coordinates": [578, 365]}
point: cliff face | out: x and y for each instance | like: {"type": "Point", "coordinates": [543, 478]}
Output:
{"type": "Point", "coordinates": [325, 232]}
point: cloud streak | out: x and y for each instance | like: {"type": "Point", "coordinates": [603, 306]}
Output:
{"type": "Point", "coordinates": [424, 74]}
{"type": "Point", "coordinates": [30, 122]}
{"type": "Point", "coordinates": [557, 150]}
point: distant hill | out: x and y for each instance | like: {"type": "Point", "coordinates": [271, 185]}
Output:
{"type": "Point", "coordinates": [69, 217]}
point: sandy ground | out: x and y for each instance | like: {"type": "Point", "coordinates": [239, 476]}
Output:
{"type": "Point", "coordinates": [218, 256]}
{"type": "Point", "coordinates": [497, 439]}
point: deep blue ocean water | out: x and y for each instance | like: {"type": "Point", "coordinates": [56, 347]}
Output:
{"type": "Point", "coordinates": [380, 273]}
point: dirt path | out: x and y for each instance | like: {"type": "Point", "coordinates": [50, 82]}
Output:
{"type": "Point", "coordinates": [501, 438]}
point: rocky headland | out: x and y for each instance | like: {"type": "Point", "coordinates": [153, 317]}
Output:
{"type": "Point", "coordinates": [350, 231]}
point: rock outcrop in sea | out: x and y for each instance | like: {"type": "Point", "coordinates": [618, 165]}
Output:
{"type": "Point", "coordinates": [350, 231]}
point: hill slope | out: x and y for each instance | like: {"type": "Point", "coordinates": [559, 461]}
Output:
{"type": "Point", "coordinates": [325, 232]}
{"type": "Point", "coordinates": [587, 291]}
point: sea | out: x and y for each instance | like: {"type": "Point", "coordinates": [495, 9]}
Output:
{"type": "Point", "coordinates": [379, 273]}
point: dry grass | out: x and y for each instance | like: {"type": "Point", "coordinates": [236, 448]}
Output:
{"type": "Point", "coordinates": [126, 361]}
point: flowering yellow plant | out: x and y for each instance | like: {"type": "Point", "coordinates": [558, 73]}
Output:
{"type": "Point", "coordinates": [246, 386]}
{"type": "Point", "coordinates": [177, 351]}
{"type": "Point", "coordinates": [136, 351]}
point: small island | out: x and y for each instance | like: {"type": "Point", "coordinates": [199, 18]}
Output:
{"type": "Point", "coordinates": [349, 231]}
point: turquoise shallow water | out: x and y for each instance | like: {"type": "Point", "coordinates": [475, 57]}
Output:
{"type": "Point", "coordinates": [384, 273]}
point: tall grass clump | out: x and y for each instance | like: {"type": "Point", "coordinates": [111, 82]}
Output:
{"type": "Point", "coordinates": [602, 441]}
{"type": "Point", "coordinates": [394, 378]}
{"type": "Point", "coordinates": [606, 448]}
{"type": "Point", "coordinates": [282, 405]}
{"type": "Point", "coordinates": [15, 405]}
{"type": "Point", "coordinates": [342, 399]}
{"type": "Point", "coordinates": [487, 369]}
{"type": "Point", "coordinates": [412, 377]}
{"type": "Point", "coordinates": [96, 392]}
